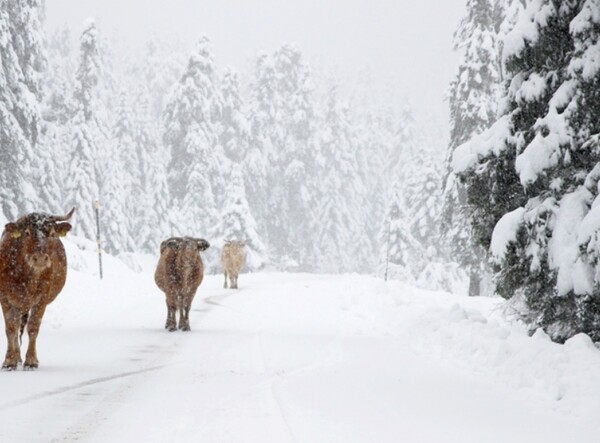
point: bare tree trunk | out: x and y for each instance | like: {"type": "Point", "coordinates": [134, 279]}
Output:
{"type": "Point", "coordinates": [474, 284]}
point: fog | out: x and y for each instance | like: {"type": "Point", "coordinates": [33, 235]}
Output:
{"type": "Point", "coordinates": [404, 45]}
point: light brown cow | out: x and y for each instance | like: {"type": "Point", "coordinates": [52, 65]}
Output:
{"type": "Point", "coordinates": [33, 271]}
{"type": "Point", "coordinates": [232, 260]}
{"type": "Point", "coordinates": [178, 274]}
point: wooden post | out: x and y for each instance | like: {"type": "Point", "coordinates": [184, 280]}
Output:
{"type": "Point", "coordinates": [97, 210]}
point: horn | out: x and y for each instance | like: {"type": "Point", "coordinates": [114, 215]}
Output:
{"type": "Point", "coordinates": [59, 218]}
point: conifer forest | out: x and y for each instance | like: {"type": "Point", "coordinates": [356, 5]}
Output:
{"type": "Point", "coordinates": [320, 175]}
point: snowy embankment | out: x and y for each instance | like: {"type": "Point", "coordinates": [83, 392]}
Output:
{"type": "Point", "coordinates": [293, 358]}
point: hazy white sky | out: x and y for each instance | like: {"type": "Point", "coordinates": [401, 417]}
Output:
{"type": "Point", "coordinates": [407, 44]}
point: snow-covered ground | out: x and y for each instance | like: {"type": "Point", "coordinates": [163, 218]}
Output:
{"type": "Point", "coordinates": [293, 358]}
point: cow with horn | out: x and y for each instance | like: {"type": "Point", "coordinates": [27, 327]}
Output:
{"type": "Point", "coordinates": [33, 271]}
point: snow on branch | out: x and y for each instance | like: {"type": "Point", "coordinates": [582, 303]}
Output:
{"type": "Point", "coordinates": [563, 248]}
{"type": "Point", "coordinates": [505, 232]}
{"type": "Point", "coordinates": [491, 141]}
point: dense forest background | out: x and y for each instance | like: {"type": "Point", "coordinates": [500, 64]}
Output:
{"type": "Point", "coordinates": [314, 174]}
{"type": "Point", "coordinates": [321, 175]}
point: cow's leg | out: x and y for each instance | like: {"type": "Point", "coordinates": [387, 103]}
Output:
{"type": "Point", "coordinates": [225, 284]}
{"type": "Point", "coordinates": [234, 278]}
{"type": "Point", "coordinates": [171, 324]}
{"type": "Point", "coordinates": [33, 328]}
{"type": "Point", "coordinates": [184, 313]}
{"type": "Point", "coordinates": [12, 320]}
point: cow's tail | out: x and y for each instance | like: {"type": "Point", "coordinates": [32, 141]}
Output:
{"type": "Point", "coordinates": [24, 319]}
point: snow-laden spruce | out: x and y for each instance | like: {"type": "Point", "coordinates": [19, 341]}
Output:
{"type": "Point", "coordinates": [22, 61]}
{"type": "Point", "coordinates": [539, 160]}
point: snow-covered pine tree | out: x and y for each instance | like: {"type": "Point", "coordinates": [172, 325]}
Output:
{"type": "Point", "coordinates": [152, 224]}
{"type": "Point", "coordinates": [583, 114]}
{"type": "Point", "coordinates": [22, 61]}
{"type": "Point", "coordinates": [374, 136]}
{"type": "Point", "coordinates": [46, 173]}
{"type": "Point", "coordinates": [58, 107]}
{"type": "Point", "coordinates": [121, 187]}
{"type": "Point", "coordinates": [339, 218]}
{"type": "Point", "coordinates": [474, 93]}
{"type": "Point", "coordinates": [473, 99]}
{"type": "Point", "coordinates": [198, 208]}
{"type": "Point", "coordinates": [422, 192]}
{"type": "Point", "coordinates": [292, 197]}
{"type": "Point", "coordinates": [57, 114]}
{"type": "Point", "coordinates": [383, 138]}
{"type": "Point", "coordinates": [235, 128]}
{"type": "Point", "coordinates": [197, 168]}
{"type": "Point", "coordinates": [507, 13]}
{"type": "Point", "coordinates": [399, 250]}
{"type": "Point", "coordinates": [87, 134]}
{"type": "Point", "coordinates": [237, 222]}
{"type": "Point", "coordinates": [158, 69]}
{"type": "Point", "coordinates": [422, 197]}
{"type": "Point", "coordinates": [532, 176]}
{"type": "Point", "coordinates": [260, 154]}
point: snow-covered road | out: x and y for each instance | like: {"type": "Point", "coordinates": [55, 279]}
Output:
{"type": "Point", "coordinates": [295, 358]}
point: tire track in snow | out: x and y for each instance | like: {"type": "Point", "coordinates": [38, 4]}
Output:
{"type": "Point", "coordinates": [85, 425]}
{"type": "Point", "coordinates": [271, 384]}
{"type": "Point", "coordinates": [76, 386]}
{"type": "Point", "coordinates": [214, 300]}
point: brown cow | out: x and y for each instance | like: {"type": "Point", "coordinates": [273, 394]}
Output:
{"type": "Point", "coordinates": [232, 259]}
{"type": "Point", "coordinates": [33, 270]}
{"type": "Point", "coordinates": [178, 274]}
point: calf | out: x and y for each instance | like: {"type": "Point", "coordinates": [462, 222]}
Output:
{"type": "Point", "coordinates": [232, 259]}
{"type": "Point", "coordinates": [178, 274]}
{"type": "Point", "coordinates": [33, 271]}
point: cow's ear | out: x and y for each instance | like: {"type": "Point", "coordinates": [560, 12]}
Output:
{"type": "Point", "coordinates": [62, 229]}
{"type": "Point", "coordinates": [13, 230]}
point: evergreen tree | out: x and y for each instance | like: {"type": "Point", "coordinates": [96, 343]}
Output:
{"type": "Point", "coordinates": [46, 173]}
{"type": "Point", "coordinates": [58, 111]}
{"type": "Point", "coordinates": [235, 132]}
{"type": "Point", "coordinates": [292, 186]}
{"type": "Point", "coordinates": [22, 61]}
{"type": "Point", "coordinates": [423, 198]}
{"type": "Point", "coordinates": [473, 103]}
{"type": "Point", "coordinates": [152, 224]}
{"type": "Point", "coordinates": [398, 247]}
{"type": "Point", "coordinates": [531, 177]}
{"type": "Point", "coordinates": [87, 136]}
{"type": "Point", "coordinates": [196, 170]}
{"type": "Point", "coordinates": [157, 70]}
{"type": "Point", "coordinates": [374, 137]}
{"type": "Point", "coordinates": [383, 138]}
{"type": "Point", "coordinates": [258, 161]}
{"type": "Point", "coordinates": [583, 114]}
{"type": "Point", "coordinates": [198, 206]}
{"type": "Point", "coordinates": [338, 222]}
{"type": "Point", "coordinates": [237, 222]}
{"type": "Point", "coordinates": [58, 79]}
{"type": "Point", "coordinates": [121, 186]}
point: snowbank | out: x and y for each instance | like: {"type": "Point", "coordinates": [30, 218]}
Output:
{"type": "Point", "coordinates": [477, 334]}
